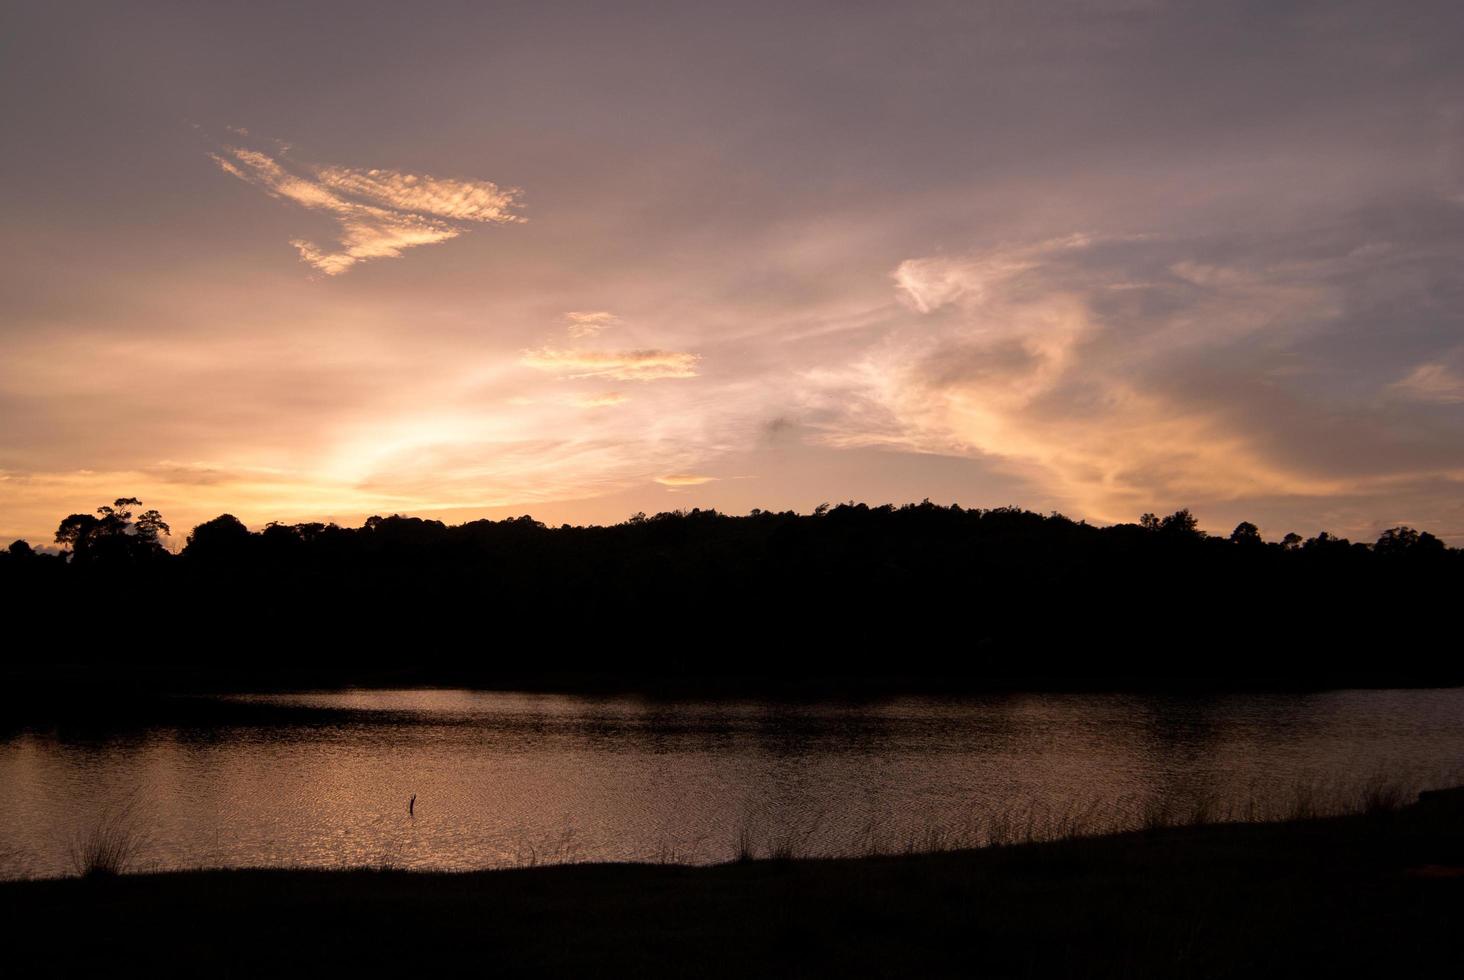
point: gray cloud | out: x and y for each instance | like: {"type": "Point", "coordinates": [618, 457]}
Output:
{"type": "Point", "coordinates": [1111, 372]}
{"type": "Point", "coordinates": [1259, 316]}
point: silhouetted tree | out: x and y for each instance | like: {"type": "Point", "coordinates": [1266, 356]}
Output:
{"type": "Point", "coordinates": [1180, 524]}
{"type": "Point", "coordinates": [882, 585]}
{"type": "Point", "coordinates": [223, 539]}
{"type": "Point", "coordinates": [1246, 533]}
{"type": "Point", "coordinates": [1406, 540]}
{"type": "Point", "coordinates": [113, 536]}
{"type": "Point", "coordinates": [149, 527]}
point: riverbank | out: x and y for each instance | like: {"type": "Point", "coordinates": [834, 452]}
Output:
{"type": "Point", "coordinates": [1368, 895]}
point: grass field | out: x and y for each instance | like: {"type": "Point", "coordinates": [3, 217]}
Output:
{"type": "Point", "coordinates": [1379, 894]}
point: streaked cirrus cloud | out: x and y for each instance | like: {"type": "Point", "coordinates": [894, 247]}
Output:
{"type": "Point", "coordinates": [1164, 255]}
{"type": "Point", "coordinates": [588, 323]}
{"type": "Point", "coordinates": [624, 365]}
{"type": "Point", "coordinates": [1113, 373]}
{"type": "Point", "coordinates": [606, 400]}
{"type": "Point", "coordinates": [1433, 383]}
{"type": "Point", "coordinates": [677, 480]}
{"type": "Point", "coordinates": [381, 213]}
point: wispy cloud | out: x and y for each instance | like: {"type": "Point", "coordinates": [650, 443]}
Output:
{"type": "Point", "coordinates": [625, 365]}
{"type": "Point", "coordinates": [1285, 349]}
{"type": "Point", "coordinates": [928, 284]}
{"type": "Point", "coordinates": [381, 212]}
{"type": "Point", "coordinates": [455, 200]}
{"type": "Point", "coordinates": [1433, 383]}
{"type": "Point", "coordinates": [1089, 367]}
{"type": "Point", "coordinates": [587, 324]}
{"type": "Point", "coordinates": [677, 480]}
{"type": "Point", "coordinates": [606, 400]}
{"type": "Point", "coordinates": [200, 474]}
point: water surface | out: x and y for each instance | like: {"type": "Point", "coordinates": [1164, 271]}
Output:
{"type": "Point", "coordinates": [324, 779]}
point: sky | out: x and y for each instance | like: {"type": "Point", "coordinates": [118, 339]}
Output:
{"type": "Point", "coordinates": [459, 260]}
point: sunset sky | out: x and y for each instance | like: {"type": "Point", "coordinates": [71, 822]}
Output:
{"type": "Point", "coordinates": [321, 261]}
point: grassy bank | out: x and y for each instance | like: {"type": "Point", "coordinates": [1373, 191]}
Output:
{"type": "Point", "coordinates": [1367, 895]}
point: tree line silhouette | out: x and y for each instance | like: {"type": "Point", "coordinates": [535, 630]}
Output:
{"type": "Point", "coordinates": [919, 589]}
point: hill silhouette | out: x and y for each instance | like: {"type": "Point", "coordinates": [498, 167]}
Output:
{"type": "Point", "coordinates": [947, 594]}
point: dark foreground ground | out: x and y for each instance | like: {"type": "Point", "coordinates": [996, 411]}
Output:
{"type": "Point", "coordinates": [1379, 895]}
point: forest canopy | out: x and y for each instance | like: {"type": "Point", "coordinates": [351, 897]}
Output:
{"type": "Point", "coordinates": [917, 587]}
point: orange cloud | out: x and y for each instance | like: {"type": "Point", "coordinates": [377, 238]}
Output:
{"type": "Point", "coordinates": [587, 324]}
{"type": "Point", "coordinates": [456, 200]}
{"type": "Point", "coordinates": [628, 365]}
{"type": "Point", "coordinates": [675, 480]}
{"type": "Point", "coordinates": [602, 401]}
{"type": "Point", "coordinates": [381, 212]}
{"type": "Point", "coordinates": [1025, 367]}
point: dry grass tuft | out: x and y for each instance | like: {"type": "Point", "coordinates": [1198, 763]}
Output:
{"type": "Point", "coordinates": [111, 846]}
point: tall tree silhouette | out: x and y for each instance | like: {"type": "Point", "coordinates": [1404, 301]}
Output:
{"type": "Point", "coordinates": [112, 536]}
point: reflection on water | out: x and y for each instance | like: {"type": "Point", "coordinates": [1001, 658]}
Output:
{"type": "Point", "coordinates": [511, 778]}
